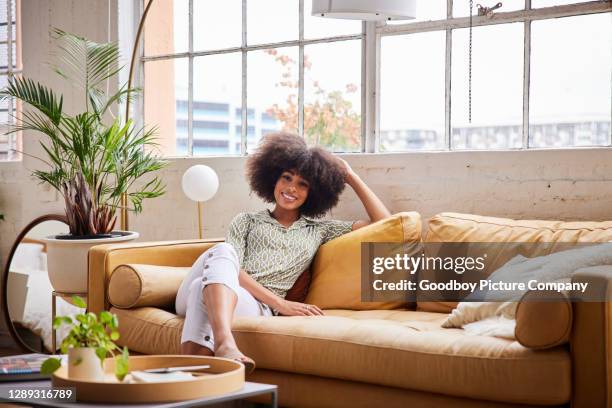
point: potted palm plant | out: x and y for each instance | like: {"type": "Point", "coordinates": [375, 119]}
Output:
{"type": "Point", "coordinates": [92, 157]}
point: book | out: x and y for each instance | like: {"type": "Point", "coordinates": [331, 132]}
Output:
{"type": "Point", "coordinates": [22, 367]}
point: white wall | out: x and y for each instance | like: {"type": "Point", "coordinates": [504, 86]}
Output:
{"type": "Point", "coordinates": [561, 184]}
{"type": "Point", "coordinates": [548, 184]}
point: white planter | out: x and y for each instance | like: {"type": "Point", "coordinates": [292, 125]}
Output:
{"type": "Point", "coordinates": [83, 364]}
{"type": "Point", "coordinates": [67, 260]}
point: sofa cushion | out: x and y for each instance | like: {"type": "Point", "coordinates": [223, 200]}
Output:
{"type": "Point", "coordinates": [299, 290]}
{"type": "Point", "coordinates": [137, 285]}
{"type": "Point", "coordinates": [543, 319]}
{"type": "Point", "coordinates": [149, 330]}
{"type": "Point", "coordinates": [336, 269]}
{"type": "Point", "coordinates": [396, 348]}
{"type": "Point", "coordinates": [455, 227]}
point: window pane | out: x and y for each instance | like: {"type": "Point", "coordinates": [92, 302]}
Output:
{"type": "Point", "coordinates": [272, 92]}
{"type": "Point", "coordinates": [426, 11]}
{"type": "Point", "coordinates": [4, 57]}
{"type": "Point", "coordinates": [217, 24]}
{"type": "Point", "coordinates": [332, 87]}
{"type": "Point", "coordinates": [271, 21]}
{"type": "Point", "coordinates": [319, 27]}
{"type": "Point", "coordinates": [165, 103]}
{"type": "Point", "coordinates": [412, 94]}
{"type": "Point", "coordinates": [217, 104]}
{"type": "Point", "coordinates": [167, 28]}
{"type": "Point", "coordinates": [497, 88]}
{"type": "Point", "coordinates": [571, 61]}
{"type": "Point", "coordinates": [461, 8]}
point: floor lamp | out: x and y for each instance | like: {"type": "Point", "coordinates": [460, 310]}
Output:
{"type": "Point", "coordinates": [200, 183]}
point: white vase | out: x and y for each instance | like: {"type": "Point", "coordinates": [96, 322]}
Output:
{"type": "Point", "coordinates": [67, 260]}
{"type": "Point", "coordinates": [84, 364]}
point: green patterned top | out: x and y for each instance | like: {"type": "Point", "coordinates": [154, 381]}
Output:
{"type": "Point", "coordinates": [274, 255]}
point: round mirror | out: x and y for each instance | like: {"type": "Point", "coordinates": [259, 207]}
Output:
{"type": "Point", "coordinates": [27, 294]}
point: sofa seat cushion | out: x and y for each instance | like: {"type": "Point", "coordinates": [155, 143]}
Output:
{"type": "Point", "coordinates": [398, 348]}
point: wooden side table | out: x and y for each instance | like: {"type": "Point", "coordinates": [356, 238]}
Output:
{"type": "Point", "coordinates": [54, 296]}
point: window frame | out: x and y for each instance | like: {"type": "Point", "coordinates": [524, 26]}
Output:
{"type": "Point", "coordinates": [370, 36]}
{"type": "Point", "coordinates": [14, 67]}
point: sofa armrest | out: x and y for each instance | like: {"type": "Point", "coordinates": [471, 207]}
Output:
{"type": "Point", "coordinates": [591, 339]}
{"type": "Point", "coordinates": [103, 259]}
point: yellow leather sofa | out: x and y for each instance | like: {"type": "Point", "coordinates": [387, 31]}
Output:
{"type": "Point", "coordinates": [376, 354]}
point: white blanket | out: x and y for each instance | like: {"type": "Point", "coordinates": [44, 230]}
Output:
{"type": "Point", "coordinates": [498, 318]}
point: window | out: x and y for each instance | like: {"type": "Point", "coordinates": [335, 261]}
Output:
{"type": "Point", "coordinates": [570, 81]}
{"type": "Point", "coordinates": [237, 79]}
{"type": "Point", "coordinates": [10, 64]}
{"type": "Point", "coordinates": [220, 75]}
{"type": "Point", "coordinates": [539, 78]}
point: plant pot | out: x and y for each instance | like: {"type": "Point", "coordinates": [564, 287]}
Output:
{"type": "Point", "coordinates": [84, 364]}
{"type": "Point", "coordinates": [67, 259]}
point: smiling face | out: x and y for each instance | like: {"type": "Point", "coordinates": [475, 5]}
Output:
{"type": "Point", "coordinates": [291, 190]}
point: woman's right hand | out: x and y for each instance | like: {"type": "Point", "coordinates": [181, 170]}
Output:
{"type": "Point", "coordinates": [289, 308]}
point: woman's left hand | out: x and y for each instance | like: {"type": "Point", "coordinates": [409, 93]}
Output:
{"type": "Point", "coordinates": [346, 169]}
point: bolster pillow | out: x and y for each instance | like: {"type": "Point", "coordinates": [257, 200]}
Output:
{"type": "Point", "coordinates": [137, 285]}
{"type": "Point", "coordinates": [542, 324]}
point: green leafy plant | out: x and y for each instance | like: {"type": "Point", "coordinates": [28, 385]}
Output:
{"type": "Point", "coordinates": [88, 330]}
{"type": "Point", "coordinates": [93, 157]}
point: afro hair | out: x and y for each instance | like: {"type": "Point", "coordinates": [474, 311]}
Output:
{"type": "Point", "coordinates": [279, 152]}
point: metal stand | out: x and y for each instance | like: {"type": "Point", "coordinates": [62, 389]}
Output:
{"type": "Point", "coordinates": [54, 296]}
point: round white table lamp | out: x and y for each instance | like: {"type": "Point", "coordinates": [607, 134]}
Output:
{"type": "Point", "coordinates": [200, 183]}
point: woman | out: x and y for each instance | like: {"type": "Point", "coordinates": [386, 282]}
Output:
{"type": "Point", "coordinates": [265, 252]}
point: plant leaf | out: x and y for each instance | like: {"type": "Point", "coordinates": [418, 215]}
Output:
{"type": "Point", "coordinates": [50, 365]}
{"type": "Point", "coordinates": [122, 364]}
{"type": "Point", "coordinates": [101, 352]}
{"type": "Point", "coordinates": [79, 302]}
{"type": "Point", "coordinates": [106, 317]}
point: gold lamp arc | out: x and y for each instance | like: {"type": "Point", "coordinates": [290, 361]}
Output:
{"type": "Point", "coordinates": [124, 198]}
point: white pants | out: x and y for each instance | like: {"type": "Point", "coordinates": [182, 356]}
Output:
{"type": "Point", "coordinates": [219, 264]}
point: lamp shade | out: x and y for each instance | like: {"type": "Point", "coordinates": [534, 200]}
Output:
{"type": "Point", "coordinates": [370, 10]}
{"type": "Point", "coordinates": [200, 183]}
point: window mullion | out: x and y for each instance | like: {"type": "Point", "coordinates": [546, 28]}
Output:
{"type": "Point", "coordinates": [526, 76]}
{"type": "Point", "coordinates": [301, 71]}
{"type": "Point", "coordinates": [370, 88]}
{"type": "Point", "coordinates": [9, 54]}
{"type": "Point", "coordinates": [447, 79]}
{"type": "Point", "coordinates": [244, 109]}
{"type": "Point", "coordinates": [190, 85]}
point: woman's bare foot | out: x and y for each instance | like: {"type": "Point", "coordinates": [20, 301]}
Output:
{"type": "Point", "coordinates": [230, 350]}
